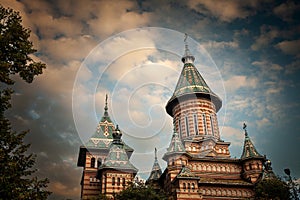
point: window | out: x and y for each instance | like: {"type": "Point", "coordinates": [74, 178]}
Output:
{"type": "Point", "coordinates": [212, 125]}
{"type": "Point", "coordinates": [204, 124]}
{"type": "Point", "coordinates": [99, 162]}
{"type": "Point", "coordinates": [196, 124]}
{"type": "Point", "coordinates": [179, 124]}
{"type": "Point", "coordinates": [123, 182]}
{"type": "Point", "coordinates": [93, 162]}
{"type": "Point", "coordinates": [189, 186]}
{"type": "Point", "coordinates": [113, 181]}
{"type": "Point", "coordinates": [193, 186]}
{"type": "Point", "coordinates": [187, 126]}
{"type": "Point", "coordinates": [118, 181]}
{"type": "Point", "coordinates": [184, 186]}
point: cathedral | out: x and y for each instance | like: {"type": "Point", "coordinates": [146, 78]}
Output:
{"type": "Point", "coordinates": [199, 165]}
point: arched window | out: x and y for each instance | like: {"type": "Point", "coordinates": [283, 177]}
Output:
{"type": "Point", "coordinates": [93, 162]}
{"type": "Point", "coordinates": [123, 182]}
{"type": "Point", "coordinates": [212, 125]}
{"type": "Point", "coordinates": [196, 124]}
{"type": "Point", "coordinates": [204, 124]}
{"type": "Point", "coordinates": [187, 126]}
{"type": "Point", "coordinates": [113, 181]}
{"type": "Point", "coordinates": [184, 186]}
{"type": "Point", "coordinates": [99, 162]}
{"type": "Point", "coordinates": [193, 186]}
{"type": "Point", "coordinates": [118, 181]}
{"type": "Point", "coordinates": [189, 186]}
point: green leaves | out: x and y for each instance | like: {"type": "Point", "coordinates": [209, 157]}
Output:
{"type": "Point", "coordinates": [15, 49]}
{"type": "Point", "coordinates": [16, 165]}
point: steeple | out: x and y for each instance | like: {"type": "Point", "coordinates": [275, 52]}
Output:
{"type": "Point", "coordinates": [117, 158]}
{"type": "Point", "coordinates": [175, 147]}
{"type": "Point", "coordinates": [156, 170]}
{"type": "Point", "coordinates": [188, 57]}
{"type": "Point", "coordinates": [249, 150]}
{"type": "Point", "coordinates": [191, 84]}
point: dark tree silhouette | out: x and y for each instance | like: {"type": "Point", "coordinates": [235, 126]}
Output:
{"type": "Point", "coordinates": [16, 165]}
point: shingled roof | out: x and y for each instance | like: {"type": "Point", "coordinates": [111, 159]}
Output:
{"type": "Point", "coordinates": [117, 158]}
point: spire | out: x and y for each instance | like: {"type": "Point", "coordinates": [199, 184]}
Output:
{"type": "Point", "coordinates": [188, 57]}
{"type": "Point", "coordinates": [156, 170]}
{"type": "Point", "coordinates": [249, 150]}
{"type": "Point", "coordinates": [175, 146]}
{"type": "Point", "coordinates": [105, 107]}
{"type": "Point", "coordinates": [191, 84]}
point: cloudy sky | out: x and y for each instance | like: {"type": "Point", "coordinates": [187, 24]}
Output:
{"type": "Point", "coordinates": [248, 51]}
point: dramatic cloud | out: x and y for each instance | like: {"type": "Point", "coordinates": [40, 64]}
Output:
{"type": "Point", "coordinates": [251, 61]}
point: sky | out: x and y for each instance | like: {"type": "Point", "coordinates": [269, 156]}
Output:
{"type": "Point", "coordinates": [247, 51]}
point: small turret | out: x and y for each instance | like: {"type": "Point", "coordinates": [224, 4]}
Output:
{"type": "Point", "coordinates": [251, 159]}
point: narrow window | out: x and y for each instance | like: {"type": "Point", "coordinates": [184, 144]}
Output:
{"type": "Point", "coordinates": [118, 181]}
{"type": "Point", "coordinates": [187, 126]}
{"type": "Point", "coordinates": [189, 186]}
{"type": "Point", "coordinates": [123, 181]}
{"type": "Point", "coordinates": [204, 124]}
{"type": "Point", "coordinates": [184, 186]}
{"type": "Point", "coordinates": [193, 186]}
{"type": "Point", "coordinates": [99, 162]}
{"type": "Point", "coordinates": [179, 124]}
{"type": "Point", "coordinates": [196, 124]}
{"type": "Point", "coordinates": [113, 181]}
{"type": "Point", "coordinates": [212, 125]}
{"type": "Point", "coordinates": [93, 162]}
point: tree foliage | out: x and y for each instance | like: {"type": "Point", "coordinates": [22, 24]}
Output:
{"type": "Point", "coordinates": [141, 191]}
{"type": "Point", "coordinates": [272, 188]}
{"type": "Point", "coordinates": [16, 165]}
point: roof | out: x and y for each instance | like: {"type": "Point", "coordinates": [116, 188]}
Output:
{"type": "Point", "coordinates": [175, 146]}
{"type": "Point", "coordinates": [185, 172]}
{"type": "Point", "coordinates": [191, 84]}
{"type": "Point", "coordinates": [249, 150]}
{"type": "Point", "coordinates": [156, 170]}
{"type": "Point", "coordinates": [102, 137]}
{"type": "Point", "coordinates": [235, 182]}
{"type": "Point", "coordinates": [117, 158]}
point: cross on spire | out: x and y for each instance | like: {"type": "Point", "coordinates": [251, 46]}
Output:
{"type": "Point", "coordinates": [187, 54]}
{"type": "Point", "coordinates": [245, 129]}
{"type": "Point", "coordinates": [105, 107]}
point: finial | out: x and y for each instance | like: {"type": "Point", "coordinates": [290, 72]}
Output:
{"type": "Point", "coordinates": [245, 129]}
{"type": "Point", "coordinates": [105, 107]}
{"type": "Point", "coordinates": [155, 152]}
{"type": "Point", "coordinates": [187, 54]}
{"type": "Point", "coordinates": [117, 134]}
{"type": "Point", "coordinates": [185, 37]}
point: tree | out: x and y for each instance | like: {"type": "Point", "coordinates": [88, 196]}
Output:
{"type": "Point", "coordinates": [16, 165]}
{"type": "Point", "coordinates": [272, 188]}
{"type": "Point", "coordinates": [137, 191]}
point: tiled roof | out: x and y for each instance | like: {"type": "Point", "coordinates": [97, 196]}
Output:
{"type": "Point", "coordinates": [156, 170]}
{"type": "Point", "coordinates": [249, 150]}
{"type": "Point", "coordinates": [117, 157]}
{"type": "Point", "coordinates": [175, 146]}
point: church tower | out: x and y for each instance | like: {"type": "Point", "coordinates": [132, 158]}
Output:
{"type": "Point", "coordinates": [93, 153]}
{"type": "Point", "coordinates": [194, 108]}
{"type": "Point", "coordinates": [199, 165]}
